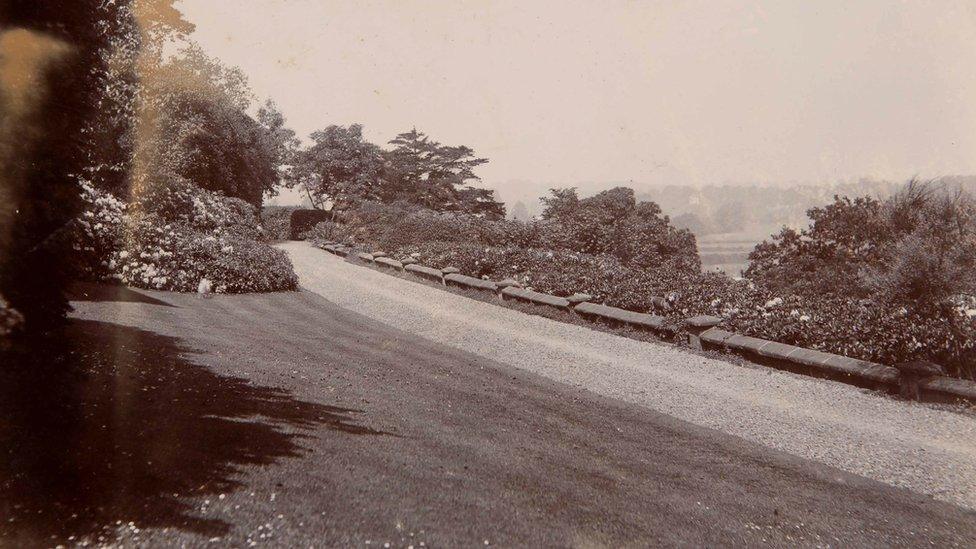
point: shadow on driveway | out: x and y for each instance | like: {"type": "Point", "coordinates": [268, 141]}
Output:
{"type": "Point", "coordinates": [90, 291]}
{"type": "Point", "coordinates": [119, 424]}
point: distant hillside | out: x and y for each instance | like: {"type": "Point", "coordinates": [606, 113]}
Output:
{"type": "Point", "coordinates": [752, 208]}
{"type": "Point", "coordinates": [755, 210]}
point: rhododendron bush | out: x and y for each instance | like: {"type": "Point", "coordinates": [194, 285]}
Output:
{"type": "Point", "coordinates": [177, 236]}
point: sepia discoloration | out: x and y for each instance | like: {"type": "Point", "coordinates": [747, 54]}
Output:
{"type": "Point", "coordinates": [636, 325]}
{"type": "Point", "coordinates": [27, 60]}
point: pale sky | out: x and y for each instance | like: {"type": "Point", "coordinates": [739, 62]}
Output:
{"type": "Point", "coordinates": [650, 92]}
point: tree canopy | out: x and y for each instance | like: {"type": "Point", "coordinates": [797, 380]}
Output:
{"type": "Point", "coordinates": [341, 166]}
{"type": "Point", "coordinates": [613, 222]}
{"type": "Point", "coordinates": [338, 168]}
{"type": "Point", "coordinates": [425, 172]}
{"type": "Point", "coordinates": [194, 126]}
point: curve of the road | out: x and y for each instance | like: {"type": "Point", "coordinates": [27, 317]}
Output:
{"type": "Point", "coordinates": [923, 449]}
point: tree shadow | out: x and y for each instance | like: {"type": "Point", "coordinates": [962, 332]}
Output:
{"type": "Point", "coordinates": [89, 291]}
{"type": "Point", "coordinates": [117, 424]}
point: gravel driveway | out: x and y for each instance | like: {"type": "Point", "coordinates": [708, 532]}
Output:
{"type": "Point", "coordinates": [902, 444]}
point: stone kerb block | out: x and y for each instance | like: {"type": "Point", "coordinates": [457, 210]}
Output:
{"type": "Point", "coordinates": [535, 297]}
{"type": "Point", "coordinates": [622, 316]}
{"type": "Point", "coordinates": [696, 325]}
{"type": "Point", "coordinates": [425, 272]}
{"type": "Point", "coordinates": [368, 258]}
{"type": "Point", "coordinates": [948, 389]}
{"type": "Point", "coordinates": [576, 299]}
{"type": "Point", "coordinates": [409, 261]}
{"type": "Point", "coordinates": [447, 271]}
{"type": "Point", "coordinates": [502, 284]}
{"type": "Point", "coordinates": [455, 279]}
{"type": "Point", "coordinates": [910, 374]}
{"type": "Point", "coordinates": [715, 337]}
{"type": "Point", "coordinates": [389, 263]}
{"type": "Point", "coordinates": [378, 254]}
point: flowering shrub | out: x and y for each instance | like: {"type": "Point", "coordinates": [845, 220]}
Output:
{"type": "Point", "coordinates": [560, 273]}
{"type": "Point", "coordinates": [98, 231]}
{"type": "Point", "coordinates": [392, 226]}
{"type": "Point", "coordinates": [864, 329]}
{"type": "Point", "coordinates": [206, 237]}
{"type": "Point", "coordinates": [176, 257]}
{"type": "Point", "coordinates": [179, 201]}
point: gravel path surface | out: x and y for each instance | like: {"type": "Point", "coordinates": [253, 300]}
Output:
{"type": "Point", "coordinates": [902, 444]}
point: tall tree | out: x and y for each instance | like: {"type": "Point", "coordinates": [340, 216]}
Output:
{"type": "Point", "coordinates": [194, 126]}
{"type": "Point", "coordinates": [338, 168]}
{"type": "Point", "coordinates": [282, 139]}
{"type": "Point", "coordinates": [137, 34]}
{"type": "Point", "coordinates": [437, 176]}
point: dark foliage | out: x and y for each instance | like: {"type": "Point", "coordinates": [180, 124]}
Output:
{"type": "Point", "coordinates": [42, 113]}
{"type": "Point", "coordinates": [301, 221]}
{"type": "Point", "coordinates": [340, 167]}
{"type": "Point", "coordinates": [276, 222]}
{"type": "Point", "coordinates": [840, 286]}
{"type": "Point", "coordinates": [613, 222]}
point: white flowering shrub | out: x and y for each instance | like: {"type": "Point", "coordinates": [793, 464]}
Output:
{"type": "Point", "coordinates": [98, 231]}
{"type": "Point", "coordinates": [177, 236]}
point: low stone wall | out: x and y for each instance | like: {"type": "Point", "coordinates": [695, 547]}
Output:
{"type": "Point", "coordinates": [700, 332]}
{"type": "Point", "coordinates": [806, 361]}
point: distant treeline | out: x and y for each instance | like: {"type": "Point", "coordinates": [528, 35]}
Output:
{"type": "Point", "coordinates": [716, 209]}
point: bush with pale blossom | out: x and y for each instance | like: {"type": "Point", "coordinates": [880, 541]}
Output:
{"type": "Point", "coordinates": [97, 231]}
{"type": "Point", "coordinates": [325, 231]}
{"type": "Point", "coordinates": [174, 237]}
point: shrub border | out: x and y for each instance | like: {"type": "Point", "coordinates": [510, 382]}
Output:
{"type": "Point", "coordinates": [701, 332]}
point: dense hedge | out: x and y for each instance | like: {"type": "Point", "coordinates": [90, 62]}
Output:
{"type": "Point", "coordinates": [276, 222]}
{"type": "Point", "coordinates": [290, 222]}
{"type": "Point", "coordinates": [302, 221]}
